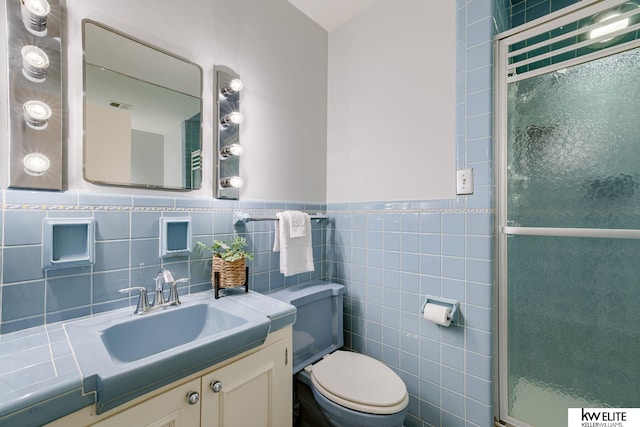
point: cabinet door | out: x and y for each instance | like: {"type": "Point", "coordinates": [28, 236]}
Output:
{"type": "Point", "coordinates": [254, 391]}
{"type": "Point", "coordinates": [170, 409]}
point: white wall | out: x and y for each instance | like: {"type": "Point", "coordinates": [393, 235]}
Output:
{"type": "Point", "coordinates": [292, 151]}
{"type": "Point", "coordinates": [174, 148]}
{"type": "Point", "coordinates": [4, 99]}
{"type": "Point", "coordinates": [391, 103]}
{"type": "Point", "coordinates": [280, 54]}
{"type": "Point", "coordinates": [109, 158]}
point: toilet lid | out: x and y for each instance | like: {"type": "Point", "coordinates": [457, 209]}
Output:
{"type": "Point", "coordinates": [360, 383]}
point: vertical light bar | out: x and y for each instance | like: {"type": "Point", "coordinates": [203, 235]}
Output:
{"type": "Point", "coordinates": [228, 149]}
{"type": "Point", "coordinates": [35, 94]}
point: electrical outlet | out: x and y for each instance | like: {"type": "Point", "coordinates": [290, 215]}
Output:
{"type": "Point", "coordinates": [464, 182]}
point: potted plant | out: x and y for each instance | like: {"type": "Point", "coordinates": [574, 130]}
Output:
{"type": "Point", "coordinates": [228, 265]}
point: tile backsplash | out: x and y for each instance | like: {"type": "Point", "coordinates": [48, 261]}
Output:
{"type": "Point", "coordinates": [390, 257]}
{"type": "Point", "coordinates": [127, 236]}
{"type": "Point", "coordinates": [523, 11]}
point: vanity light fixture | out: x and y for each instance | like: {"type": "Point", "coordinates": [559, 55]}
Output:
{"type": "Point", "coordinates": [34, 16]}
{"type": "Point", "coordinates": [36, 114]}
{"type": "Point", "coordinates": [229, 88]}
{"type": "Point", "coordinates": [36, 164]}
{"type": "Point", "coordinates": [232, 150]}
{"type": "Point", "coordinates": [231, 182]}
{"type": "Point", "coordinates": [35, 63]}
{"type": "Point", "coordinates": [234, 86]}
{"type": "Point", "coordinates": [233, 118]}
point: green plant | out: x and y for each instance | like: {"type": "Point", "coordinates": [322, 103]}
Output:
{"type": "Point", "coordinates": [228, 250]}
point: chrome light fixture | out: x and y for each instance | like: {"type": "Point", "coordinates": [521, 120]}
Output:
{"type": "Point", "coordinates": [231, 182]}
{"type": "Point", "coordinates": [233, 118]}
{"type": "Point", "coordinates": [34, 16]}
{"type": "Point", "coordinates": [36, 164]}
{"type": "Point", "coordinates": [35, 63]}
{"type": "Point", "coordinates": [228, 86]}
{"type": "Point", "coordinates": [234, 86]}
{"type": "Point", "coordinates": [34, 40]}
{"type": "Point", "coordinates": [232, 150]}
{"type": "Point", "coordinates": [36, 114]}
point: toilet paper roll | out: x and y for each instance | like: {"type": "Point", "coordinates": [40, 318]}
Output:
{"type": "Point", "coordinates": [437, 314]}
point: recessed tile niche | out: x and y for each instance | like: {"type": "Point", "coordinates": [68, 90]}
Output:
{"type": "Point", "coordinates": [68, 242]}
{"type": "Point", "coordinates": [175, 237]}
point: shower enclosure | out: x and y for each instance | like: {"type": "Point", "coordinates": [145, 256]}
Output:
{"type": "Point", "coordinates": [568, 160]}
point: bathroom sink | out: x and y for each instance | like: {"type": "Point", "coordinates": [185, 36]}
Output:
{"type": "Point", "coordinates": [154, 333]}
{"type": "Point", "coordinates": [122, 355]}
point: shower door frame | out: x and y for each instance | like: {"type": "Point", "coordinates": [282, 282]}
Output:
{"type": "Point", "coordinates": [502, 77]}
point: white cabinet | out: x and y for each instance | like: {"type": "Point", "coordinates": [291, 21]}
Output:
{"type": "Point", "coordinates": [170, 409]}
{"type": "Point", "coordinates": [251, 389]}
{"type": "Point", "coordinates": [254, 391]}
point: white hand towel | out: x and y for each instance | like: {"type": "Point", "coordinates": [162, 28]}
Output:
{"type": "Point", "coordinates": [298, 224]}
{"type": "Point", "coordinates": [296, 255]}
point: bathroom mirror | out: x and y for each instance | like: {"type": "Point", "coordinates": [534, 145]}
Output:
{"type": "Point", "coordinates": [142, 113]}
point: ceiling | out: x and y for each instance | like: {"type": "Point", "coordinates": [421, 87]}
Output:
{"type": "Point", "coordinates": [331, 13]}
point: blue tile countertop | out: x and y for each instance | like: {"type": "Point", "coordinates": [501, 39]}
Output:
{"type": "Point", "coordinates": [40, 380]}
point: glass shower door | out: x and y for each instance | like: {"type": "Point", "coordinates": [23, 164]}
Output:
{"type": "Point", "coordinates": [570, 241]}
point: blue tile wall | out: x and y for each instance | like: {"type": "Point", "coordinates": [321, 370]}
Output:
{"type": "Point", "coordinates": [403, 253]}
{"type": "Point", "coordinates": [523, 11]}
{"type": "Point", "coordinates": [127, 252]}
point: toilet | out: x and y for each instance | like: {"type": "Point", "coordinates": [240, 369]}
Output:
{"type": "Point", "coordinates": [351, 389]}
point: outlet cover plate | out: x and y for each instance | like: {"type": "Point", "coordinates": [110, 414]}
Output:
{"type": "Point", "coordinates": [464, 182]}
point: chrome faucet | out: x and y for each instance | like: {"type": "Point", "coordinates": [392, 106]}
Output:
{"type": "Point", "coordinates": [143, 299]}
{"type": "Point", "coordinates": [163, 277]}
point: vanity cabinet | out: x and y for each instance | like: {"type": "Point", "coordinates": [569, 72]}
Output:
{"type": "Point", "coordinates": [169, 409]}
{"type": "Point", "coordinates": [254, 391]}
{"type": "Point", "coordinates": [251, 389]}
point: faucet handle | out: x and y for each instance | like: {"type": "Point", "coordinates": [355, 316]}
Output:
{"type": "Point", "coordinates": [167, 276]}
{"type": "Point", "coordinates": [143, 299]}
{"type": "Point", "coordinates": [174, 298]}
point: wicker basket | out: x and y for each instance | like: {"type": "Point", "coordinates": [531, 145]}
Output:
{"type": "Point", "coordinates": [231, 273]}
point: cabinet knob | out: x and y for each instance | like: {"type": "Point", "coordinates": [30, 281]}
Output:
{"type": "Point", "coordinates": [216, 386]}
{"type": "Point", "coordinates": [193, 397]}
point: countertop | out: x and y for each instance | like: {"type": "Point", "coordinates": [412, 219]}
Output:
{"type": "Point", "coordinates": [39, 377]}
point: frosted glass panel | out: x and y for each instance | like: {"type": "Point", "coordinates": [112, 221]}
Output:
{"type": "Point", "coordinates": [574, 303]}
{"type": "Point", "coordinates": [574, 335]}
{"type": "Point", "coordinates": [574, 146]}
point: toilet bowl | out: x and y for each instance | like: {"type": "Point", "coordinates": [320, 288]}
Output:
{"type": "Point", "coordinates": [350, 389]}
{"type": "Point", "coordinates": [356, 390]}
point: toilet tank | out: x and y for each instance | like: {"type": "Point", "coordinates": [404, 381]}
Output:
{"type": "Point", "coordinates": [318, 327]}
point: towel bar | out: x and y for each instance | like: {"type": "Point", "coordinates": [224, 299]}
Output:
{"type": "Point", "coordinates": [242, 217]}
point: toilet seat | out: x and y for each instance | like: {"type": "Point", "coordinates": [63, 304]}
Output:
{"type": "Point", "coordinates": [359, 382]}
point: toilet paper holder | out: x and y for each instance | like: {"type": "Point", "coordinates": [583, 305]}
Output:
{"type": "Point", "coordinates": [452, 304]}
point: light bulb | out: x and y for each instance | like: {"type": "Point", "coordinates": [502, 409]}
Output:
{"type": "Point", "coordinates": [37, 7]}
{"type": "Point", "coordinates": [36, 114]}
{"type": "Point", "coordinates": [231, 182]}
{"type": "Point", "coordinates": [234, 86]}
{"type": "Point", "coordinates": [234, 118]}
{"type": "Point", "coordinates": [232, 150]}
{"type": "Point", "coordinates": [34, 15]}
{"type": "Point", "coordinates": [36, 164]}
{"type": "Point", "coordinates": [34, 63]}
{"type": "Point", "coordinates": [610, 28]}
